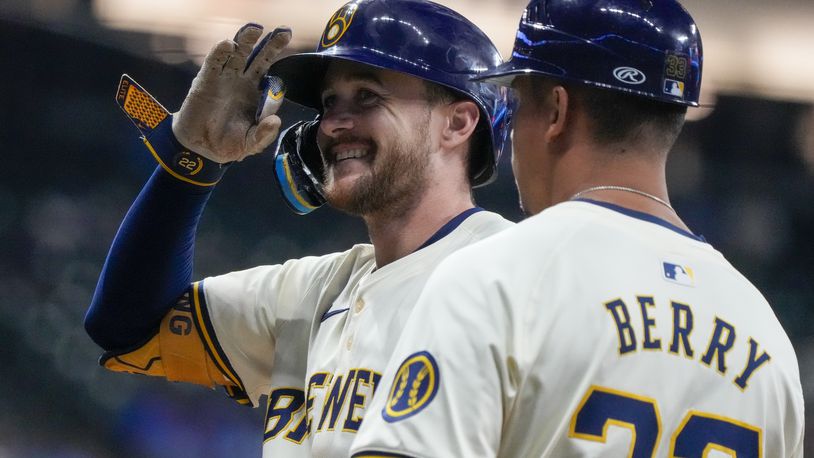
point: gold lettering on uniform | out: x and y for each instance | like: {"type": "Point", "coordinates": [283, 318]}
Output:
{"type": "Point", "coordinates": [358, 400]}
{"type": "Point", "coordinates": [752, 364]}
{"type": "Point", "coordinates": [682, 328]}
{"type": "Point", "coordinates": [303, 428]}
{"type": "Point", "coordinates": [723, 338]}
{"type": "Point", "coordinates": [621, 317]}
{"type": "Point", "coordinates": [335, 400]}
{"type": "Point", "coordinates": [649, 343]}
{"type": "Point", "coordinates": [283, 405]}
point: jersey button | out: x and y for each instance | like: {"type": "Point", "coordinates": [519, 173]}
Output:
{"type": "Point", "coordinates": [349, 343]}
{"type": "Point", "coordinates": [360, 305]}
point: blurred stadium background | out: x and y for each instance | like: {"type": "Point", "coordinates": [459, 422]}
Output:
{"type": "Point", "coordinates": [742, 175]}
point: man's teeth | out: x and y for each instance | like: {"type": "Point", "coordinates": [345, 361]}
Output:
{"type": "Point", "coordinates": [350, 154]}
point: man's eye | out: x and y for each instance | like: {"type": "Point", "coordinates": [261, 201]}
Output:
{"type": "Point", "coordinates": [328, 101]}
{"type": "Point", "coordinates": [367, 97]}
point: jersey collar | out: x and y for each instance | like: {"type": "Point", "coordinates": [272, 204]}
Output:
{"type": "Point", "coordinates": [644, 217]}
{"type": "Point", "coordinates": [450, 226]}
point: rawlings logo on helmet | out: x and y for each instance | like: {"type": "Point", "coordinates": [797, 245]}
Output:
{"type": "Point", "coordinates": [629, 75]}
{"type": "Point", "coordinates": [338, 25]}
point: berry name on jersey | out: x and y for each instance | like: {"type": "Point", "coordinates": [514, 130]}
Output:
{"type": "Point", "coordinates": [713, 355]}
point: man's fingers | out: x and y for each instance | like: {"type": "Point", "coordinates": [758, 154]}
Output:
{"type": "Point", "coordinates": [262, 135]}
{"type": "Point", "coordinates": [256, 52]}
{"type": "Point", "coordinates": [217, 57]}
{"type": "Point", "coordinates": [266, 52]}
{"type": "Point", "coordinates": [245, 38]}
{"type": "Point", "coordinates": [248, 34]}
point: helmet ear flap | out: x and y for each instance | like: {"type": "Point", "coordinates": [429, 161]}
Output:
{"type": "Point", "coordinates": [491, 138]}
{"type": "Point", "coordinates": [309, 149]}
{"type": "Point", "coordinates": [298, 167]}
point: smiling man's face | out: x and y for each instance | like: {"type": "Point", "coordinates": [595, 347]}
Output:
{"type": "Point", "coordinates": [375, 139]}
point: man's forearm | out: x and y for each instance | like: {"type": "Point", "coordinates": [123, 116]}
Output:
{"type": "Point", "coordinates": [149, 265]}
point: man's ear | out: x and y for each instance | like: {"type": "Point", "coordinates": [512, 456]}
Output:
{"type": "Point", "coordinates": [461, 120]}
{"type": "Point", "coordinates": [557, 112]}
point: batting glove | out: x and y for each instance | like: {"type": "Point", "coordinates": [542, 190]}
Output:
{"type": "Point", "coordinates": [219, 118]}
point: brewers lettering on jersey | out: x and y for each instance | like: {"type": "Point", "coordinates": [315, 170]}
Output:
{"type": "Point", "coordinates": [395, 143]}
{"type": "Point", "coordinates": [334, 319]}
{"type": "Point", "coordinates": [602, 326]}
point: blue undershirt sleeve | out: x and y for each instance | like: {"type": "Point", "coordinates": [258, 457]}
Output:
{"type": "Point", "coordinates": [149, 265]}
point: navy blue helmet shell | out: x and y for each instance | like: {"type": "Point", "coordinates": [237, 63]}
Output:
{"type": "Point", "coordinates": [651, 48]}
{"type": "Point", "coordinates": [416, 37]}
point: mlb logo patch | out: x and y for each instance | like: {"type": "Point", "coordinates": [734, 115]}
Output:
{"type": "Point", "coordinates": [678, 273]}
{"type": "Point", "coordinates": [674, 87]}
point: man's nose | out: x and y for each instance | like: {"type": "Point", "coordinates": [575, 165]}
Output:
{"type": "Point", "coordinates": [337, 120]}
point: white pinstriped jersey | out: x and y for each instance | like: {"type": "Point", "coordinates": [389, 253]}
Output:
{"type": "Point", "coordinates": [589, 330]}
{"type": "Point", "coordinates": [314, 334]}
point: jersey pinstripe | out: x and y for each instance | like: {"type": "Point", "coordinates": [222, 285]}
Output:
{"type": "Point", "coordinates": [315, 333]}
{"type": "Point", "coordinates": [589, 330]}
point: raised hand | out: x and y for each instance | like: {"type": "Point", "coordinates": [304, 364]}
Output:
{"type": "Point", "coordinates": [218, 117]}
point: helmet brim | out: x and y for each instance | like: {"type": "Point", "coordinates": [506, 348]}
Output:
{"type": "Point", "coordinates": [504, 75]}
{"type": "Point", "coordinates": [303, 75]}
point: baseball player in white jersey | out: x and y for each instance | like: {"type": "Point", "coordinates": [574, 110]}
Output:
{"type": "Point", "coordinates": [601, 326]}
{"type": "Point", "coordinates": [402, 137]}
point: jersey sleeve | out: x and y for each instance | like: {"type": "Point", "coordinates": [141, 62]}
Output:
{"type": "Point", "coordinates": [176, 352]}
{"type": "Point", "coordinates": [228, 330]}
{"type": "Point", "coordinates": [446, 385]}
{"type": "Point", "coordinates": [258, 320]}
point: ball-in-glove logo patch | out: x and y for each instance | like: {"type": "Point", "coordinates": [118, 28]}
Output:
{"type": "Point", "coordinates": [414, 387]}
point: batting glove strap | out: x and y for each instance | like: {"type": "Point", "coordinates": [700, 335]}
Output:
{"type": "Point", "coordinates": [155, 124]}
{"type": "Point", "coordinates": [179, 162]}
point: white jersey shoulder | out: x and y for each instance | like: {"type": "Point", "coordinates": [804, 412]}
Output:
{"type": "Point", "coordinates": [267, 310]}
{"type": "Point", "coordinates": [314, 334]}
{"type": "Point", "coordinates": [589, 330]}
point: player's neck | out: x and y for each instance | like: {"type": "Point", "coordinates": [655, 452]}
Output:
{"type": "Point", "coordinates": [616, 180]}
{"type": "Point", "coordinates": [396, 237]}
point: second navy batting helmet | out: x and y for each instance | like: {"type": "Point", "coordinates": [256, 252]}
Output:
{"type": "Point", "coordinates": [416, 37]}
{"type": "Point", "coordinates": [651, 48]}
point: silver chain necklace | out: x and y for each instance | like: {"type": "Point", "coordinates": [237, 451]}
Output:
{"type": "Point", "coordinates": [625, 189]}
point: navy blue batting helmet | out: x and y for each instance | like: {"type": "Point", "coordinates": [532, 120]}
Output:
{"type": "Point", "coordinates": [416, 37]}
{"type": "Point", "coordinates": [651, 48]}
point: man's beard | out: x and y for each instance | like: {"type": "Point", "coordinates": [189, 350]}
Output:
{"type": "Point", "coordinates": [395, 184]}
